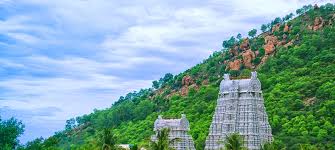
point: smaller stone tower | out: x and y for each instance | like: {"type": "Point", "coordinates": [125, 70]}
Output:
{"type": "Point", "coordinates": [178, 130]}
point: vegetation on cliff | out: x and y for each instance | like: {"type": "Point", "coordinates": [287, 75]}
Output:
{"type": "Point", "coordinates": [295, 60]}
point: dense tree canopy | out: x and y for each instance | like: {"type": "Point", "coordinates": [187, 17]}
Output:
{"type": "Point", "coordinates": [10, 130]}
{"type": "Point", "coordinates": [252, 33]}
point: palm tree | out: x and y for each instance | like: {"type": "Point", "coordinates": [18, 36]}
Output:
{"type": "Point", "coordinates": [234, 141]}
{"type": "Point", "coordinates": [163, 141]}
{"type": "Point", "coordinates": [269, 146]}
{"type": "Point", "coordinates": [107, 139]}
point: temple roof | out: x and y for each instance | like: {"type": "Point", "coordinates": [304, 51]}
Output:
{"type": "Point", "coordinates": [242, 85]}
{"type": "Point", "coordinates": [181, 123]}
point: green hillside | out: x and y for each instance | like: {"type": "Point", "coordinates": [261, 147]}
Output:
{"type": "Point", "coordinates": [295, 60]}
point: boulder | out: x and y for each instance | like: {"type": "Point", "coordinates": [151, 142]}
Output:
{"type": "Point", "coordinates": [245, 44]}
{"type": "Point", "coordinates": [248, 56]}
{"type": "Point", "coordinates": [275, 27]}
{"type": "Point", "coordinates": [185, 89]}
{"type": "Point", "coordinates": [286, 28]}
{"type": "Point", "coordinates": [234, 51]}
{"type": "Point", "coordinates": [235, 65]}
{"type": "Point", "coordinates": [187, 80]}
{"type": "Point", "coordinates": [289, 44]}
{"type": "Point", "coordinates": [318, 23]}
{"type": "Point", "coordinates": [270, 43]}
{"type": "Point", "coordinates": [269, 48]}
{"type": "Point", "coordinates": [205, 82]}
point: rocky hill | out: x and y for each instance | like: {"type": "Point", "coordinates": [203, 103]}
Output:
{"type": "Point", "coordinates": [295, 60]}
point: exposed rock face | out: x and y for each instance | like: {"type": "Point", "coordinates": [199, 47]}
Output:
{"type": "Point", "coordinates": [234, 51]}
{"type": "Point", "coordinates": [271, 38]}
{"type": "Point", "coordinates": [186, 89]}
{"type": "Point", "coordinates": [286, 28]}
{"type": "Point", "coordinates": [205, 82]}
{"type": "Point", "coordinates": [276, 27]}
{"type": "Point", "coordinates": [187, 80]}
{"type": "Point", "coordinates": [270, 43]}
{"type": "Point", "coordinates": [248, 56]}
{"type": "Point", "coordinates": [283, 41]}
{"type": "Point", "coordinates": [269, 48]}
{"type": "Point", "coordinates": [289, 44]}
{"type": "Point", "coordinates": [318, 23]}
{"type": "Point", "coordinates": [235, 65]}
{"type": "Point", "coordinates": [245, 44]}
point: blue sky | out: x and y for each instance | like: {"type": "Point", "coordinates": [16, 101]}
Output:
{"type": "Point", "coordinates": [63, 58]}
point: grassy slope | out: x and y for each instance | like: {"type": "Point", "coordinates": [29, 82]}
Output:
{"type": "Point", "coordinates": [298, 83]}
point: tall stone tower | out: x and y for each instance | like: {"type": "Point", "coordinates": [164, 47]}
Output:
{"type": "Point", "coordinates": [178, 130]}
{"type": "Point", "coordinates": [240, 108]}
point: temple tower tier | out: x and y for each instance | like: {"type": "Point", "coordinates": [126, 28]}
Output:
{"type": "Point", "coordinates": [240, 109]}
{"type": "Point", "coordinates": [178, 130]}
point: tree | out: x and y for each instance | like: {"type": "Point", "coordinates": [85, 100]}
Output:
{"type": "Point", "coordinates": [162, 142]}
{"type": "Point", "coordinates": [134, 147]}
{"type": "Point", "coordinates": [288, 17]}
{"type": "Point", "coordinates": [276, 21]}
{"type": "Point", "coordinates": [70, 124]}
{"type": "Point", "coordinates": [35, 144]}
{"type": "Point", "coordinates": [107, 139]}
{"type": "Point", "coordinates": [10, 130]}
{"type": "Point", "coordinates": [252, 33]}
{"type": "Point", "coordinates": [155, 84]}
{"type": "Point", "coordinates": [166, 79]}
{"type": "Point", "coordinates": [234, 141]}
{"type": "Point", "coordinates": [264, 28]}
{"type": "Point", "coordinates": [229, 43]}
{"type": "Point", "coordinates": [239, 36]}
{"type": "Point", "coordinates": [298, 11]}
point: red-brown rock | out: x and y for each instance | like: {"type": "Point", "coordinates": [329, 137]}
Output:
{"type": "Point", "coordinates": [248, 56]}
{"type": "Point", "coordinates": [270, 43]}
{"type": "Point", "coordinates": [234, 51]}
{"type": "Point", "coordinates": [235, 65]}
{"type": "Point", "coordinates": [185, 89]}
{"type": "Point", "coordinates": [245, 44]}
{"type": "Point", "coordinates": [275, 27]}
{"type": "Point", "coordinates": [318, 23]}
{"type": "Point", "coordinates": [289, 44]}
{"type": "Point", "coordinates": [286, 28]}
{"type": "Point", "coordinates": [205, 82]}
{"type": "Point", "coordinates": [187, 80]}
